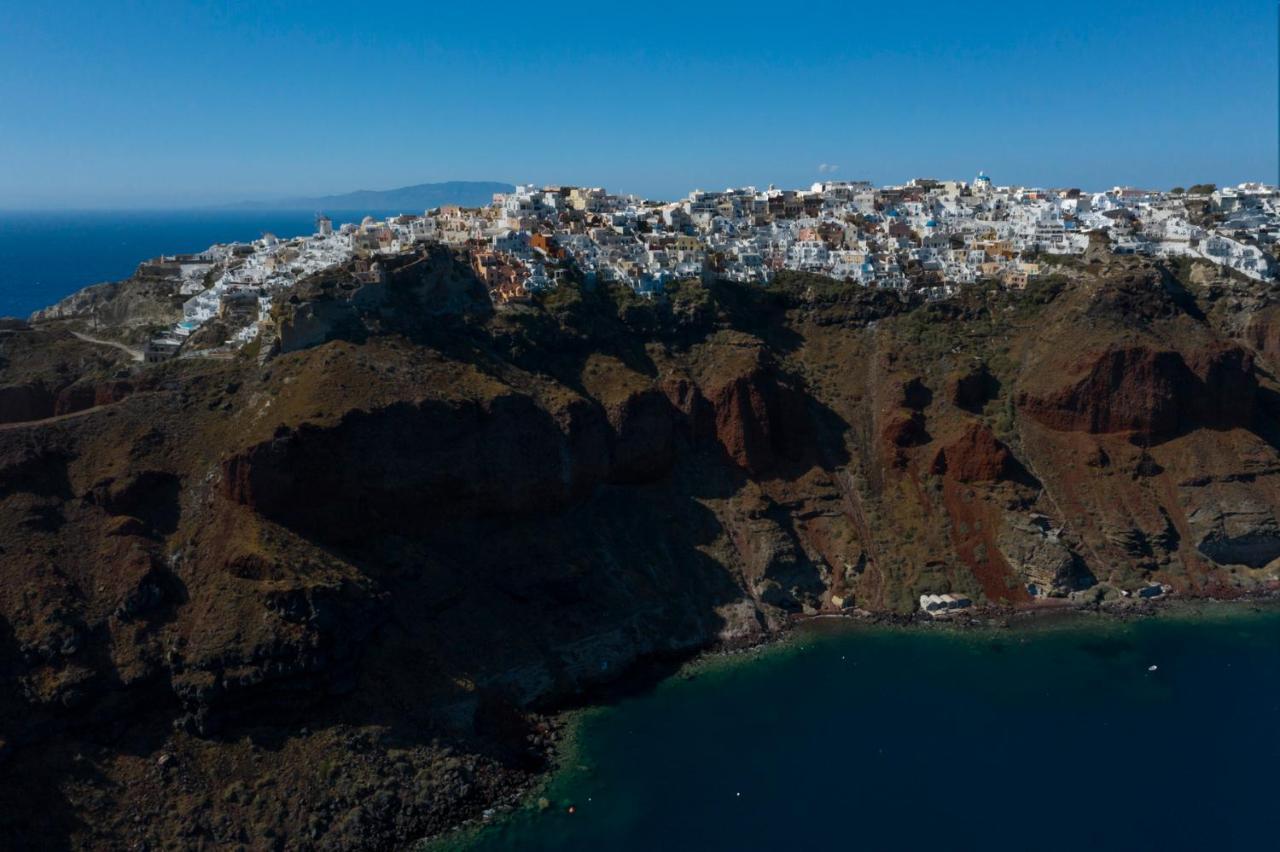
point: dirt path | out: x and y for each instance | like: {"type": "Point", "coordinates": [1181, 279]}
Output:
{"type": "Point", "coordinates": [58, 418]}
{"type": "Point", "coordinates": [71, 415]}
{"type": "Point", "coordinates": [135, 354]}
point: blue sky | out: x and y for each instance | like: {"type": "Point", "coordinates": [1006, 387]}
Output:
{"type": "Point", "coordinates": [179, 103]}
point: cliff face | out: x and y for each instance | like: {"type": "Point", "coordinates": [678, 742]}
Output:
{"type": "Point", "coordinates": [327, 595]}
{"type": "Point", "coordinates": [132, 308]}
{"type": "Point", "coordinates": [1154, 394]}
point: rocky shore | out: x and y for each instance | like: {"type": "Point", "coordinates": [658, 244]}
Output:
{"type": "Point", "coordinates": [561, 742]}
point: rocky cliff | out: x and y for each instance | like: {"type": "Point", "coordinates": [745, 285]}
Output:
{"type": "Point", "coordinates": [323, 595]}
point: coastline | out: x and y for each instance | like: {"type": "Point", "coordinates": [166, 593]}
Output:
{"type": "Point", "coordinates": [492, 789]}
{"type": "Point", "coordinates": [565, 726]}
{"type": "Point", "coordinates": [1008, 617]}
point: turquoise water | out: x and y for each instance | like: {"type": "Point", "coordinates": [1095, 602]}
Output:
{"type": "Point", "coordinates": [891, 739]}
{"type": "Point", "coordinates": [46, 255]}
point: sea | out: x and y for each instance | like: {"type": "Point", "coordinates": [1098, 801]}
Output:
{"type": "Point", "coordinates": [47, 255]}
{"type": "Point", "coordinates": [1159, 734]}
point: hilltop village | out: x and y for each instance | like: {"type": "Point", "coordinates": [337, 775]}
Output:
{"type": "Point", "coordinates": [398, 488]}
{"type": "Point", "coordinates": [929, 236]}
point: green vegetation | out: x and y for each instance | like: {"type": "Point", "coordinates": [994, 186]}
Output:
{"type": "Point", "coordinates": [1067, 261]}
{"type": "Point", "coordinates": [1005, 424]}
{"type": "Point", "coordinates": [561, 299]}
{"type": "Point", "coordinates": [691, 301]}
{"type": "Point", "coordinates": [1039, 292]}
{"type": "Point", "coordinates": [975, 320]}
{"type": "Point", "coordinates": [605, 312]}
{"type": "Point", "coordinates": [933, 579]}
{"type": "Point", "coordinates": [789, 285]}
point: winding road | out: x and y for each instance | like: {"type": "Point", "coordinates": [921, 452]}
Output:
{"type": "Point", "coordinates": [135, 354]}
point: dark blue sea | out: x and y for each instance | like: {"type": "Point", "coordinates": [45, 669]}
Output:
{"type": "Point", "coordinates": [46, 255]}
{"type": "Point", "coordinates": [892, 739]}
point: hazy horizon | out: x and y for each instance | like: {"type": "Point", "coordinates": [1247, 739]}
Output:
{"type": "Point", "coordinates": [282, 203]}
{"type": "Point", "coordinates": [181, 105]}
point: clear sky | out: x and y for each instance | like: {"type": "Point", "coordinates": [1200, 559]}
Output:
{"type": "Point", "coordinates": [171, 103]}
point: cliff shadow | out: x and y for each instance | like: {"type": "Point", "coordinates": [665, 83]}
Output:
{"type": "Point", "coordinates": [757, 311]}
{"type": "Point", "coordinates": [35, 813]}
{"type": "Point", "coordinates": [1181, 297]}
{"type": "Point", "coordinates": [1266, 421]}
{"type": "Point", "coordinates": [492, 615]}
{"type": "Point", "coordinates": [39, 471]}
{"type": "Point", "coordinates": [780, 433]}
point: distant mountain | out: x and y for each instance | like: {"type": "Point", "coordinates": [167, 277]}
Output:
{"type": "Point", "coordinates": [408, 199]}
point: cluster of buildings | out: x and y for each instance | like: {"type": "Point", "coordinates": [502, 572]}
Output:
{"type": "Point", "coordinates": [926, 235]}
{"type": "Point", "coordinates": [237, 282]}
{"type": "Point", "coordinates": [937, 605]}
